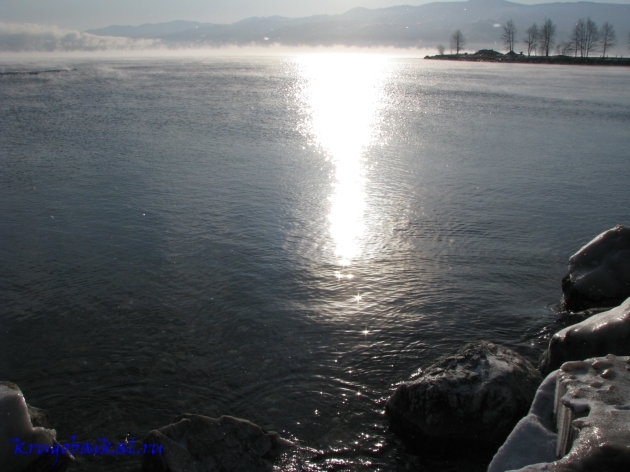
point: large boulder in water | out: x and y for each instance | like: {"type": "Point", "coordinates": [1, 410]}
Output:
{"type": "Point", "coordinates": [599, 273]}
{"type": "Point", "coordinates": [599, 335]}
{"type": "Point", "coordinates": [195, 443]}
{"type": "Point", "coordinates": [473, 398]}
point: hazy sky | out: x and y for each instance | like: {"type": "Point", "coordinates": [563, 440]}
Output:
{"type": "Point", "coordinates": [83, 14]}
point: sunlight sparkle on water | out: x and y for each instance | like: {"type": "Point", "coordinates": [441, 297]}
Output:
{"type": "Point", "coordinates": [342, 95]}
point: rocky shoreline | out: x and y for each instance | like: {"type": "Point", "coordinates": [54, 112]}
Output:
{"type": "Point", "coordinates": [478, 395]}
{"type": "Point", "coordinates": [481, 399]}
{"type": "Point", "coordinates": [488, 55]}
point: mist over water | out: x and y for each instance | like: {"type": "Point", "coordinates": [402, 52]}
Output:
{"type": "Point", "coordinates": [283, 239]}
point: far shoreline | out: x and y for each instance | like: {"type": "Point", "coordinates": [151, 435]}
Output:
{"type": "Point", "coordinates": [488, 55]}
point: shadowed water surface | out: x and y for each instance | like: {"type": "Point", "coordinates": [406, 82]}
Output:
{"type": "Point", "coordinates": [284, 239]}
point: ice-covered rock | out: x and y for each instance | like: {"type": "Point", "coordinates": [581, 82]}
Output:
{"type": "Point", "coordinates": [599, 273]}
{"type": "Point", "coordinates": [17, 434]}
{"type": "Point", "coordinates": [533, 439]}
{"type": "Point", "coordinates": [592, 410]}
{"type": "Point", "coordinates": [202, 444]}
{"type": "Point", "coordinates": [474, 397]}
{"type": "Point", "coordinates": [601, 334]}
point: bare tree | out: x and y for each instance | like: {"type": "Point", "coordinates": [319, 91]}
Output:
{"type": "Point", "coordinates": [564, 48]}
{"type": "Point", "coordinates": [457, 41]}
{"type": "Point", "coordinates": [607, 37]}
{"type": "Point", "coordinates": [547, 34]}
{"type": "Point", "coordinates": [509, 33]}
{"type": "Point", "coordinates": [591, 37]}
{"type": "Point", "coordinates": [532, 38]}
{"type": "Point", "coordinates": [577, 37]}
{"type": "Point", "coordinates": [440, 49]}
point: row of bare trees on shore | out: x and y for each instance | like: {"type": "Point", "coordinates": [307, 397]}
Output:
{"type": "Point", "coordinates": [586, 38]}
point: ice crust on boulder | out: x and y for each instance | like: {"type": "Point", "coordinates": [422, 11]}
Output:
{"type": "Point", "coordinates": [474, 397]}
{"type": "Point", "coordinates": [601, 334]}
{"type": "Point", "coordinates": [599, 273]}
{"type": "Point", "coordinates": [202, 444]}
{"type": "Point", "coordinates": [16, 423]}
{"type": "Point", "coordinates": [533, 439]}
{"type": "Point", "coordinates": [592, 409]}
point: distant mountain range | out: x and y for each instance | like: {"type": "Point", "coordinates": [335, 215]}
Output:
{"type": "Point", "coordinates": [401, 26]}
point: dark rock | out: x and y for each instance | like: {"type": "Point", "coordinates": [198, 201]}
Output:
{"type": "Point", "coordinates": [473, 398]}
{"type": "Point", "coordinates": [601, 334]}
{"type": "Point", "coordinates": [599, 273]}
{"type": "Point", "coordinates": [202, 444]}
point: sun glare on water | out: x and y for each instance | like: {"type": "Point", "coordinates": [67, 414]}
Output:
{"type": "Point", "coordinates": [342, 96]}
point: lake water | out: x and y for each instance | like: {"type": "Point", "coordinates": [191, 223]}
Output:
{"type": "Point", "coordinates": [284, 239]}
